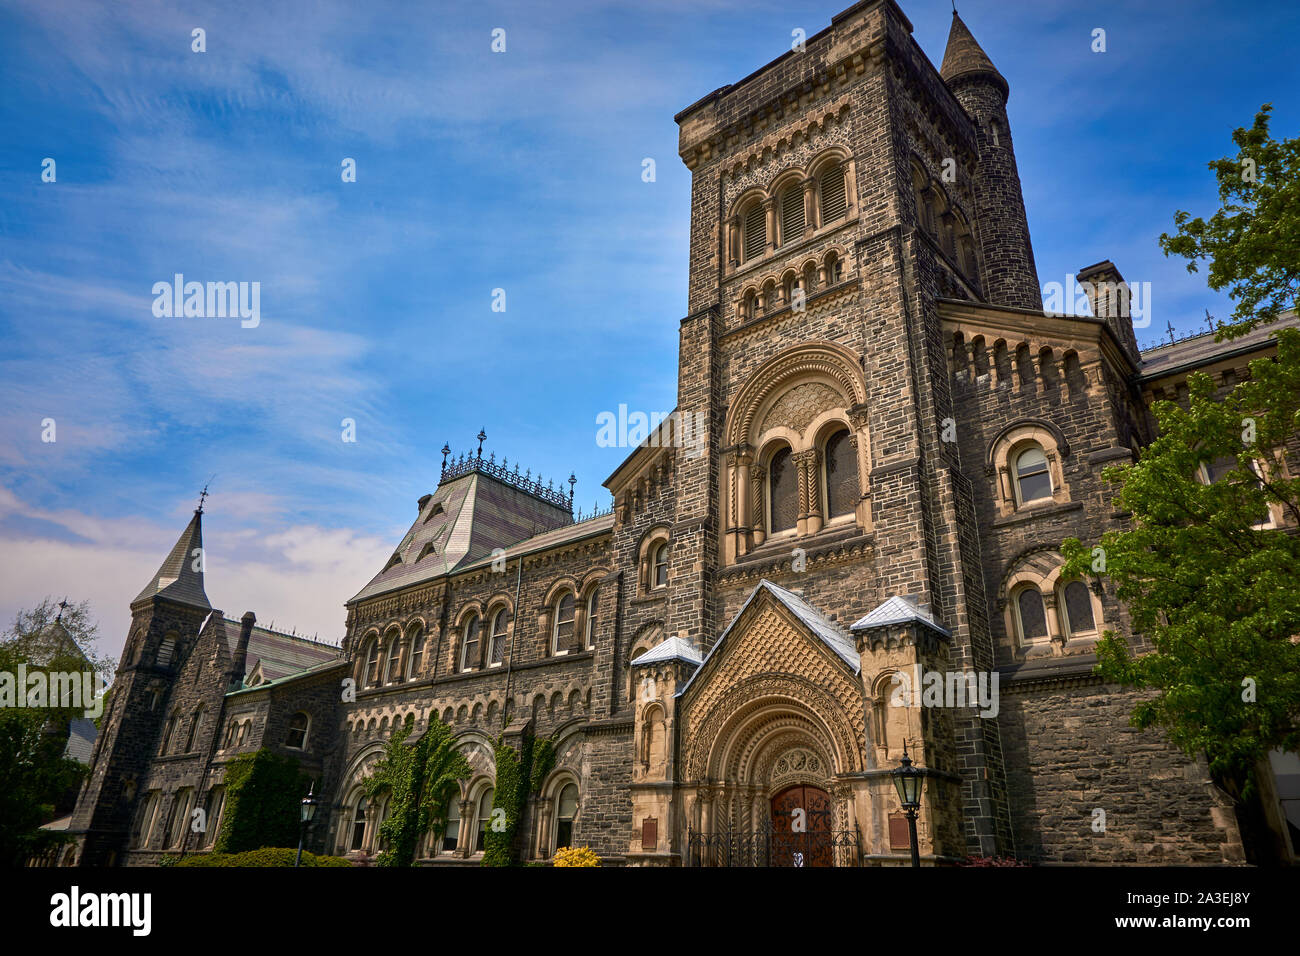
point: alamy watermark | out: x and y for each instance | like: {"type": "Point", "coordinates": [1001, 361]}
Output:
{"type": "Point", "coordinates": [1131, 300]}
{"type": "Point", "coordinates": [215, 300]}
{"type": "Point", "coordinates": [624, 429]}
{"type": "Point", "coordinates": [84, 689]}
{"type": "Point", "coordinates": [946, 689]}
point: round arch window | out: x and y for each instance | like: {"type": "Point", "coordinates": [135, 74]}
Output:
{"type": "Point", "coordinates": [1033, 483]}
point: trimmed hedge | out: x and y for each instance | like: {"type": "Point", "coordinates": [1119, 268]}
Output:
{"type": "Point", "coordinates": [266, 856]}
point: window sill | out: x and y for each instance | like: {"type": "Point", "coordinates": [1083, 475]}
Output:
{"type": "Point", "coordinates": [1030, 512]}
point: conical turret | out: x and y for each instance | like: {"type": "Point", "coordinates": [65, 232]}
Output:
{"type": "Point", "coordinates": [180, 578]}
{"type": "Point", "coordinates": [1009, 277]}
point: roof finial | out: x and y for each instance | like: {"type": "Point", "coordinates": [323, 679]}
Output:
{"type": "Point", "coordinates": [446, 450]}
{"type": "Point", "coordinates": [63, 606]}
{"type": "Point", "coordinates": [202, 495]}
{"type": "Point", "coordinates": [1169, 326]}
{"type": "Point", "coordinates": [573, 480]}
{"type": "Point", "coordinates": [480, 436]}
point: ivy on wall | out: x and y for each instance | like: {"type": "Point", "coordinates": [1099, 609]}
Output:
{"type": "Point", "coordinates": [264, 794]}
{"type": "Point", "coordinates": [518, 776]}
{"type": "Point", "coordinates": [420, 779]}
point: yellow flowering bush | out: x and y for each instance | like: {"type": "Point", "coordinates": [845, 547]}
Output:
{"type": "Point", "coordinates": [576, 856]}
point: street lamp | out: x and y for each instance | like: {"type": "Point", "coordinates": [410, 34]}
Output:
{"type": "Point", "coordinates": [309, 804]}
{"type": "Point", "coordinates": [908, 781]}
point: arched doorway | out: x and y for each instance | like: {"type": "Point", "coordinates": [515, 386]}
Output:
{"type": "Point", "coordinates": [801, 827]}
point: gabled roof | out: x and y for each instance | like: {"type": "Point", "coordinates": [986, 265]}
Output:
{"type": "Point", "coordinates": [965, 57]}
{"type": "Point", "coordinates": [825, 630]}
{"type": "Point", "coordinates": [675, 648]}
{"type": "Point", "coordinates": [279, 681]}
{"type": "Point", "coordinates": [177, 579]}
{"type": "Point", "coordinates": [899, 610]}
{"type": "Point", "coordinates": [279, 654]}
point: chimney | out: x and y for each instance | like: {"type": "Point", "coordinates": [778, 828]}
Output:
{"type": "Point", "coordinates": [237, 664]}
{"type": "Point", "coordinates": [1110, 298]}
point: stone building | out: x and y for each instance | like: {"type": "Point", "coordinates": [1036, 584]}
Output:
{"type": "Point", "coordinates": [881, 440]}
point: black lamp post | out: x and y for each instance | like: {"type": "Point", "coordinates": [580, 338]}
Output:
{"type": "Point", "coordinates": [908, 781]}
{"type": "Point", "coordinates": [309, 804]}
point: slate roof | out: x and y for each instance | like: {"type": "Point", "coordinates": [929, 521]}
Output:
{"type": "Point", "coordinates": [279, 654]}
{"type": "Point", "coordinates": [177, 580]}
{"type": "Point", "coordinates": [276, 682]}
{"type": "Point", "coordinates": [81, 739]}
{"type": "Point", "coordinates": [899, 610]}
{"type": "Point", "coordinates": [1203, 350]}
{"type": "Point", "coordinates": [830, 633]}
{"type": "Point", "coordinates": [461, 524]}
{"type": "Point", "coordinates": [675, 648]}
{"type": "Point", "coordinates": [964, 57]}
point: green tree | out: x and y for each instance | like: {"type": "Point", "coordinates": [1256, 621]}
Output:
{"type": "Point", "coordinates": [1252, 244]}
{"type": "Point", "coordinates": [1211, 584]}
{"type": "Point", "coordinates": [35, 776]}
{"type": "Point", "coordinates": [420, 778]}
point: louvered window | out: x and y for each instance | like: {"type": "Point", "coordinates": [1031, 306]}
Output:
{"type": "Point", "coordinates": [834, 200]}
{"type": "Point", "coordinates": [166, 649]}
{"type": "Point", "coordinates": [755, 231]}
{"type": "Point", "coordinates": [792, 215]}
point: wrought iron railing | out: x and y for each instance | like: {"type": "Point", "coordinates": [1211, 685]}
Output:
{"type": "Point", "coordinates": [470, 463]}
{"type": "Point", "coordinates": [770, 846]}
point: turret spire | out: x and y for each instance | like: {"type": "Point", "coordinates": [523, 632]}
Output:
{"type": "Point", "coordinates": [180, 578]}
{"type": "Point", "coordinates": [965, 58]}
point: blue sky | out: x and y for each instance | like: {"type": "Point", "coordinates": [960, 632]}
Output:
{"type": "Point", "coordinates": [475, 171]}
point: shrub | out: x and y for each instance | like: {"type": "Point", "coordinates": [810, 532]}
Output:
{"type": "Point", "coordinates": [266, 856]}
{"type": "Point", "coordinates": [576, 856]}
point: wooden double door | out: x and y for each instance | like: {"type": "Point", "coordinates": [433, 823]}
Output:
{"type": "Point", "coordinates": [801, 828]}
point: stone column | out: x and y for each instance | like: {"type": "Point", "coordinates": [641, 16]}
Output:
{"type": "Point", "coordinates": [769, 209]}
{"type": "Point", "coordinates": [733, 242]}
{"type": "Point", "coordinates": [1053, 620]}
{"type": "Point", "coordinates": [809, 206]}
{"type": "Point", "coordinates": [809, 519]}
{"type": "Point", "coordinates": [758, 523]}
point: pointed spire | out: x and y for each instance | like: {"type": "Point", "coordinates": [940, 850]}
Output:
{"type": "Point", "coordinates": [966, 58]}
{"type": "Point", "coordinates": [180, 578]}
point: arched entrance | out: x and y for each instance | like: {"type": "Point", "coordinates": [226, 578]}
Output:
{"type": "Point", "coordinates": [801, 827]}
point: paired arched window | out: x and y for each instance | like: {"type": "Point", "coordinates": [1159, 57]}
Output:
{"type": "Point", "coordinates": [566, 809]}
{"type": "Point", "coordinates": [359, 825]}
{"type": "Point", "coordinates": [296, 739]}
{"type": "Point", "coordinates": [841, 467]}
{"type": "Point", "coordinates": [415, 658]}
{"type": "Point", "coordinates": [194, 729]}
{"type": "Point", "coordinates": [451, 833]}
{"type": "Point", "coordinates": [1031, 616]}
{"type": "Point", "coordinates": [372, 663]}
{"type": "Point", "coordinates": [783, 491]}
{"type": "Point", "coordinates": [589, 625]}
{"type": "Point", "coordinates": [168, 731]}
{"type": "Point", "coordinates": [1033, 481]}
{"type": "Point", "coordinates": [832, 190]}
{"type": "Point", "coordinates": [470, 643]}
{"type": "Point", "coordinates": [484, 818]}
{"type": "Point", "coordinates": [792, 214]}
{"type": "Point", "coordinates": [393, 662]}
{"type": "Point", "coordinates": [1076, 608]}
{"type": "Point", "coordinates": [754, 223]}
{"type": "Point", "coordinates": [562, 629]}
{"type": "Point", "coordinates": [497, 650]}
